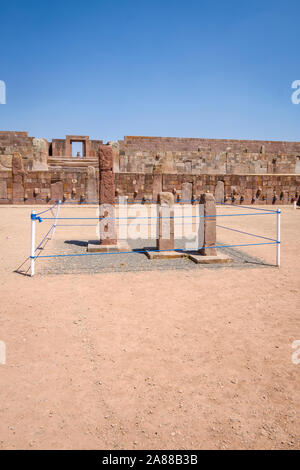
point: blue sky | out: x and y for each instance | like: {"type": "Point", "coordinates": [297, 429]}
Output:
{"type": "Point", "coordinates": [110, 68]}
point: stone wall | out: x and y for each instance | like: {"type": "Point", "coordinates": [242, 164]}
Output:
{"type": "Point", "coordinates": [35, 171]}
{"type": "Point", "coordinates": [239, 189]}
{"type": "Point", "coordinates": [208, 156]}
{"type": "Point", "coordinates": [82, 186]}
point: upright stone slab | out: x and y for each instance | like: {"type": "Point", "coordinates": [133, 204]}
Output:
{"type": "Point", "coordinates": [57, 191]}
{"type": "Point", "coordinates": [107, 222]}
{"type": "Point", "coordinates": [40, 154]}
{"type": "Point", "coordinates": [3, 190]}
{"type": "Point", "coordinates": [209, 236]}
{"type": "Point", "coordinates": [18, 179]}
{"type": "Point", "coordinates": [165, 239]}
{"type": "Point", "coordinates": [157, 182]}
{"type": "Point", "coordinates": [91, 185]}
{"type": "Point", "coordinates": [219, 192]}
{"type": "Point", "coordinates": [187, 193]}
{"type": "Point", "coordinates": [108, 234]}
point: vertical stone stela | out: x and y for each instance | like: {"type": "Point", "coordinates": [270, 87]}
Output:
{"type": "Point", "coordinates": [107, 227]}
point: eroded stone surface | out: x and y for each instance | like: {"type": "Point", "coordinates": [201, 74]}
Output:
{"type": "Point", "coordinates": [209, 236]}
{"type": "Point", "coordinates": [165, 239]}
{"type": "Point", "coordinates": [145, 166]}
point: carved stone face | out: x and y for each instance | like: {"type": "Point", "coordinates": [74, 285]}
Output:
{"type": "Point", "coordinates": [17, 161]}
{"type": "Point", "coordinates": [40, 154]}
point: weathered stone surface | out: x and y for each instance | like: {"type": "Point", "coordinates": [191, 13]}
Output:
{"type": "Point", "coordinates": [107, 223]}
{"type": "Point", "coordinates": [219, 192]}
{"type": "Point", "coordinates": [107, 187]}
{"type": "Point", "coordinates": [40, 154]}
{"type": "Point", "coordinates": [157, 185]}
{"type": "Point", "coordinates": [218, 258]}
{"type": "Point", "coordinates": [18, 179]}
{"type": "Point", "coordinates": [91, 185]}
{"type": "Point", "coordinates": [187, 193]}
{"type": "Point", "coordinates": [165, 239]}
{"type": "Point", "coordinates": [17, 165]}
{"type": "Point", "coordinates": [208, 200]}
{"type": "Point", "coordinates": [116, 155]}
{"type": "Point", "coordinates": [57, 191]}
{"type": "Point", "coordinates": [164, 254]}
{"type": "Point", "coordinates": [166, 199]}
{"type": "Point", "coordinates": [5, 162]}
{"type": "Point", "coordinates": [106, 158]}
{"type": "Point", "coordinates": [3, 190]}
{"type": "Point", "coordinates": [153, 165]}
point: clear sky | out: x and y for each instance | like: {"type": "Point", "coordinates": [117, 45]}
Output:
{"type": "Point", "coordinates": [186, 68]}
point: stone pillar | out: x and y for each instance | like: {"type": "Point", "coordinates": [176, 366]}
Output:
{"type": "Point", "coordinates": [219, 192]}
{"type": "Point", "coordinates": [187, 193]}
{"type": "Point", "coordinates": [40, 155]}
{"type": "Point", "coordinates": [106, 197]}
{"type": "Point", "coordinates": [209, 226]}
{"type": "Point", "coordinates": [165, 239]}
{"type": "Point", "coordinates": [91, 185]}
{"type": "Point", "coordinates": [57, 191]}
{"type": "Point", "coordinates": [157, 182]}
{"type": "Point", "coordinates": [18, 179]}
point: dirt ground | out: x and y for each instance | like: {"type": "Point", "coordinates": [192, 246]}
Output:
{"type": "Point", "coordinates": [181, 359]}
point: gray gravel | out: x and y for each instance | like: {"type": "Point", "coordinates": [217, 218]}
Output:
{"type": "Point", "coordinates": [96, 263]}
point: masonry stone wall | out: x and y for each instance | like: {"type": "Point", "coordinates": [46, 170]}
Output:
{"type": "Point", "coordinates": [46, 187]}
{"type": "Point", "coordinates": [33, 170]}
{"type": "Point", "coordinates": [198, 156]}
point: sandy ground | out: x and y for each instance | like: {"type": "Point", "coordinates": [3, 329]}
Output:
{"type": "Point", "coordinates": [150, 360]}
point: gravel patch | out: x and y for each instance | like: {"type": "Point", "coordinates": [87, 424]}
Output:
{"type": "Point", "coordinates": [124, 262]}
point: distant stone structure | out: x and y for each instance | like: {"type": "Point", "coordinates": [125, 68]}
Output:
{"type": "Point", "coordinates": [33, 170]}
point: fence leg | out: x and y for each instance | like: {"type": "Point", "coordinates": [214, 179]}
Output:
{"type": "Point", "coordinates": [278, 238]}
{"type": "Point", "coordinates": [32, 249]}
{"type": "Point", "coordinates": [56, 217]}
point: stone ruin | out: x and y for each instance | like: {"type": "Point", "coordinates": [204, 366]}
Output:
{"type": "Point", "coordinates": [35, 171]}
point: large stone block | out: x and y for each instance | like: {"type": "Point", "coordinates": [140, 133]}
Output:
{"type": "Point", "coordinates": [209, 236]}
{"type": "Point", "coordinates": [187, 192]}
{"type": "Point", "coordinates": [17, 165]}
{"type": "Point", "coordinates": [219, 192]}
{"type": "Point", "coordinates": [166, 199]}
{"type": "Point", "coordinates": [106, 159]}
{"type": "Point", "coordinates": [157, 185]}
{"type": "Point", "coordinates": [107, 187]}
{"type": "Point", "coordinates": [40, 154]}
{"type": "Point", "coordinates": [57, 191]}
{"type": "Point", "coordinates": [165, 239]}
{"type": "Point", "coordinates": [107, 225]}
{"type": "Point", "coordinates": [3, 190]}
{"type": "Point", "coordinates": [91, 185]}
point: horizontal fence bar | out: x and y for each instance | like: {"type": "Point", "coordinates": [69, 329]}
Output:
{"type": "Point", "coordinates": [49, 209]}
{"type": "Point", "coordinates": [157, 217]}
{"type": "Point", "coordinates": [144, 250]}
{"type": "Point", "coordinates": [77, 225]}
{"type": "Point", "coordinates": [247, 207]}
{"type": "Point", "coordinates": [246, 233]}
